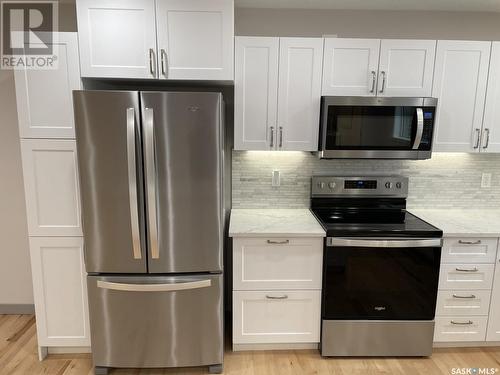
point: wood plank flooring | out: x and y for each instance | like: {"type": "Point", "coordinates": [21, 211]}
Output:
{"type": "Point", "coordinates": [18, 355]}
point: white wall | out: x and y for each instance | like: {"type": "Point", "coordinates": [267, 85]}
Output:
{"type": "Point", "coordinates": [368, 24]}
{"type": "Point", "coordinates": [15, 272]}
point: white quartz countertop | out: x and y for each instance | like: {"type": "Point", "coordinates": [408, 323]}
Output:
{"type": "Point", "coordinates": [274, 222]}
{"type": "Point", "coordinates": [462, 222]}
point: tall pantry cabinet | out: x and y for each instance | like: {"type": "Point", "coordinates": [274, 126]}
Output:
{"type": "Point", "coordinates": [48, 151]}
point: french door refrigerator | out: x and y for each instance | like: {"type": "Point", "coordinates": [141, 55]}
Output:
{"type": "Point", "coordinates": [151, 180]}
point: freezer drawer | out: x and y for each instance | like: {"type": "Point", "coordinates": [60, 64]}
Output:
{"type": "Point", "coordinates": [156, 321]}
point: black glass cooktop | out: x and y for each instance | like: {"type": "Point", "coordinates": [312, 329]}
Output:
{"type": "Point", "coordinates": [386, 218]}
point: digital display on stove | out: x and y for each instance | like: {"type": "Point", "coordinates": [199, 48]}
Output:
{"type": "Point", "coordinates": [360, 184]}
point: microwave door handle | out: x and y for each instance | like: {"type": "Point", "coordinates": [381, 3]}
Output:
{"type": "Point", "coordinates": [383, 243]}
{"type": "Point", "coordinates": [151, 182]}
{"type": "Point", "coordinates": [132, 184]}
{"type": "Point", "coordinates": [420, 128]}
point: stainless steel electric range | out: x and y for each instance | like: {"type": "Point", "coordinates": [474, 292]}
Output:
{"type": "Point", "coordinates": [380, 268]}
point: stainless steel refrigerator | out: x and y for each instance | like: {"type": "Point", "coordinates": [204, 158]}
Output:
{"type": "Point", "coordinates": [151, 168]}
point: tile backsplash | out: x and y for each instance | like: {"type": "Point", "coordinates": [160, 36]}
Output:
{"type": "Point", "coordinates": [448, 180]}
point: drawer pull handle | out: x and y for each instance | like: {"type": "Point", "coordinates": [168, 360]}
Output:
{"type": "Point", "coordinates": [462, 242]}
{"type": "Point", "coordinates": [472, 296]}
{"type": "Point", "coordinates": [278, 242]}
{"type": "Point", "coordinates": [284, 296]}
{"type": "Point", "coordinates": [468, 323]}
{"type": "Point", "coordinates": [467, 270]}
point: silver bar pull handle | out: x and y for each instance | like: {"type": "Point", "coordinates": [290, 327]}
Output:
{"type": "Point", "coordinates": [151, 182]}
{"type": "Point", "coordinates": [478, 138]}
{"type": "Point", "coordinates": [486, 142]}
{"type": "Point", "coordinates": [466, 269]}
{"type": "Point", "coordinates": [383, 81]}
{"type": "Point", "coordinates": [467, 323]}
{"type": "Point", "coordinates": [284, 296]}
{"type": "Point", "coordinates": [132, 184]}
{"type": "Point", "coordinates": [420, 128]}
{"type": "Point", "coordinates": [383, 242]}
{"type": "Point", "coordinates": [462, 242]}
{"type": "Point", "coordinates": [152, 62]}
{"type": "Point", "coordinates": [278, 242]}
{"type": "Point", "coordinates": [472, 296]}
{"type": "Point", "coordinates": [374, 78]}
{"type": "Point", "coordinates": [164, 61]}
{"type": "Point", "coordinates": [171, 287]}
{"type": "Point", "coordinates": [272, 136]}
{"type": "Point", "coordinates": [281, 136]}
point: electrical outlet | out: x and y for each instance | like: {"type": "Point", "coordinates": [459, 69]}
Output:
{"type": "Point", "coordinates": [276, 178]}
{"type": "Point", "coordinates": [486, 180]}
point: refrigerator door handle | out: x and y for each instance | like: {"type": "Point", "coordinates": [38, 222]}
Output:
{"type": "Point", "coordinates": [172, 287]}
{"type": "Point", "coordinates": [132, 184]}
{"type": "Point", "coordinates": [151, 182]}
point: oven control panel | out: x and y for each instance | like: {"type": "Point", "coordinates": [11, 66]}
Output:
{"type": "Point", "coordinates": [374, 186]}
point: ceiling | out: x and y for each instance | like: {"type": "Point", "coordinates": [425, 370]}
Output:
{"type": "Point", "coordinates": [432, 5]}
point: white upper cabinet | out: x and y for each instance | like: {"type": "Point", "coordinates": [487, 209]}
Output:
{"type": "Point", "coordinates": [490, 140]}
{"type": "Point", "coordinates": [299, 93]}
{"type": "Point", "coordinates": [117, 38]}
{"type": "Point", "coordinates": [460, 78]}
{"type": "Point", "coordinates": [42, 115]}
{"type": "Point", "coordinates": [406, 67]}
{"type": "Point", "coordinates": [167, 39]}
{"type": "Point", "coordinates": [195, 39]}
{"type": "Point", "coordinates": [350, 67]}
{"type": "Point", "coordinates": [268, 118]}
{"type": "Point", "coordinates": [256, 93]}
{"type": "Point", "coordinates": [51, 187]}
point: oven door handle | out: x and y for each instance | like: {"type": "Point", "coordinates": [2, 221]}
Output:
{"type": "Point", "coordinates": [383, 242]}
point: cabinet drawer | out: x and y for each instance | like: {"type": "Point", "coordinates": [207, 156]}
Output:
{"type": "Point", "coordinates": [463, 328]}
{"type": "Point", "coordinates": [463, 303]}
{"type": "Point", "coordinates": [466, 276]}
{"type": "Point", "coordinates": [276, 316]}
{"type": "Point", "coordinates": [469, 250]}
{"type": "Point", "coordinates": [277, 263]}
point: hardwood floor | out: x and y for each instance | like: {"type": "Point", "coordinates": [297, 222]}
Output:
{"type": "Point", "coordinates": [18, 355]}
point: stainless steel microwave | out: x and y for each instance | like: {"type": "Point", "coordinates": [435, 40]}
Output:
{"type": "Point", "coordinates": [376, 128]}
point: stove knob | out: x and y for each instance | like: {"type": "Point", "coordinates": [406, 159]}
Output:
{"type": "Point", "coordinates": [321, 185]}
{"type": "Point", "coordinates": [388, 185]}
{"type": "Point", "coordinates": [331, 185]}
{"type": "Point", "coordinates": [399, 185]}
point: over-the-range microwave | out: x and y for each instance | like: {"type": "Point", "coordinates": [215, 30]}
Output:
{"type": "Point", "coordinates": [376, 127]}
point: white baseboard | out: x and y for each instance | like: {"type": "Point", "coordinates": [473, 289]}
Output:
{"type": "Point", "coordinates": [290, 346]}
{"type": "Point", "coordinates": [68, 349]}
{"type": "Point", "coordinates": [465, 344]}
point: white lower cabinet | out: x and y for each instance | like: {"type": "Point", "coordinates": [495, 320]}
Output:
{"type": "Point", "coordinates": [279, 316]}
{"type": "Point", "coordinates": [464, 328]}
{"type": "Point", "coordinates": [493, 333]}
{"type": "Point", "coordinates": [60, 291]}
{"type": "Point", "coordinates": [466, 276]}
{"type": "Point", "coordinates": [463, 302]}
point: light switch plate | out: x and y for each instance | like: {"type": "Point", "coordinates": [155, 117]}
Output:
{"type": "Point", "coordinates": [276, 178]}
{"type": "Point", "coordinates": [486, 180]}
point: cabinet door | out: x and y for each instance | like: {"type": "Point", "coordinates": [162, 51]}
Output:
{"type": "Point", "coordinates": [299, 93]}
{"type": "Point", "coordinates": [255, 93]}
{"type": "Point", "coordinates": [117, 38]}
{"type": "Point", "coordinates": [491, 123]}
{"type": "Point", "coordinates": [493, 332]}
{"type": "Point", "coordinates": [195, 39]}
{"type": "Point", "coordinates": [60, 291]}
{"type": "Point", "coordinates": [406, 67]}
{"type": "Point", "coordinates": [44, 99]}
{"type": "Point", "coordinates": [350, 67]}
{"type": "Point", "coordinates": [51, 187]}
{"type": "Point", "coordinates": [460, 77]}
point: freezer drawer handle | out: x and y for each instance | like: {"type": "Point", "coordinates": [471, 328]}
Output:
{"type": "Point", "coordinates": [132, 183]}
{"type": "Point", "coordinates": [151, 183]}
{"type": "Point", "coordinates": [154, 287]}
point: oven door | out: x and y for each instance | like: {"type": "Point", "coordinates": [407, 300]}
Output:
{"type": "Point", "coordinates": [380, 278]}
{"type": "Point", "coordinates": [356, 127]}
